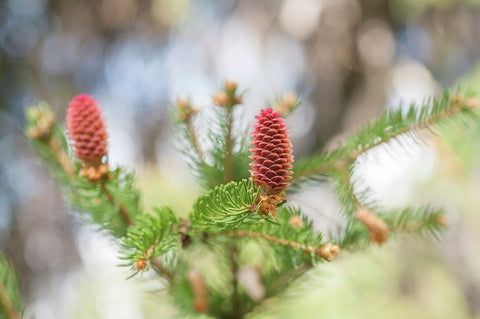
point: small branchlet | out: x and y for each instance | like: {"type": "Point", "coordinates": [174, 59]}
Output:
{"type": "Point", "coordinates": [228, 96]}
{"type": "Point", "coordinates": [41, 126]}
{"type": "Point", "coordinates": [185, 110]}
{"type": "Point", "coordinates": [286, 104]}
{"type": "Point", "coordinates": [377, 226]}
{"type": "Point", "coordinates": [41, 120]}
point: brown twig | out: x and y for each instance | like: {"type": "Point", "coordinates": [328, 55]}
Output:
{"type": "Point", "coordinates": [272, 239]}
{"type": "Point", "coordinates": [7, 304]}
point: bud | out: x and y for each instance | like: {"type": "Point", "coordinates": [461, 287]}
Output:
{"type": "Point", "coordinates": [185, 109]}
{"type": "Point", "coordinates": [220, 98]}
{"type": "Point", "coordinates": [472, 103]}
{"type": "Point", "coordinates": [41, 120]}
{"type": "Point", "coordinates": [86, 129]}
{"type": "Point", "coordinates": [272, 153]}
{"type": "Point", "coordinates": [141, 264]}
{"type": "Point", "coordinates": [377, 226]}
{"type": "Point", "coordinates": [286, 104]}
{"type": "Point", "coordinates": [231, 86]}
{"type": "Point", "coordinates": [95, 173]}
{"type": "Point", "coordinates": [295, 221]}
{"type": "Point", "coordinates": [268, 204]}
{"type": "Point", "coordinates": [328, 251]}
{"type": "Point", "coordinates": [200, 291]}
{"type": "Point", "coordinates": [442, 220]}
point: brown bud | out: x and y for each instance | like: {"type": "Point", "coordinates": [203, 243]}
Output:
{"type": "Point", "coordinates": [141, 264]}
{"type": "Point", "coordinates": [220, 98]}
{"type": "Point", "coordinates": [472, 102]}
{"type": "Point", "coordinates": [377, 226]}
{"type": "Point", "coordinates": [328, 251]}
{"type": "Point", "coordinates": [230, 86]}
{"type": "Point", "coordinates": [251, 279]}
{"type": "Point", "coordinates": [268, 203]}
{"type": "Point", "coordinates": [286, 104]}
{"type": "Point", "coordinates": [295, 221]}
{"type": "Point", "coordinates": [43, 120]}
{"type": "Point", "coordinates": [238, 100]}
{"type": "Point", "coordinates": [442, 220]}
{"type": "Point", "coordinates": [95, 173]}
{"type": "Point", "coordinates": [200, 291]}
{"type": "Point", "coordinates": [185, 109]}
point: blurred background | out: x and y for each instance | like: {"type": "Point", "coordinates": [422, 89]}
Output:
{"type": "Point", "coordinates": [348, 60]}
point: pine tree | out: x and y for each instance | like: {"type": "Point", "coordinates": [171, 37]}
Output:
{"type": "Point", "coordinates": [242, 222]}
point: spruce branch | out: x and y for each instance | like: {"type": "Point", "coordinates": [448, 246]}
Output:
{"type": "Point", "coordinates": [390, 125]}
{"type": "Point", "coordinates": [422, 220]}
{"type": "Point", "coordinates": [152, 236]}
{"type": "Point", "coordinates": [47, 138]}
{"type": "Point", "coordinates": [226, 207]}
{"type": "Point", "coordinates": [185, 114]}
{"type": "Point", "coordinates": [121, 209]}
{"type": "Point", "coordinates": [306, 248]}
{"type": "Point", "coordinates": [227, 98]}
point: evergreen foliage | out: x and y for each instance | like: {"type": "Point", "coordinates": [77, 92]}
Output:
{"type": "Point", "coordinates": [235, 225]}
{"type": "Point", "coordinates": [11, 304]}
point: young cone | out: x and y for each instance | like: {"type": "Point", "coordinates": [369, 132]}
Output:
{"type": "Point", "coordinates": [86, 130]}
{"type": "Point", "coordinates": [272, 153]}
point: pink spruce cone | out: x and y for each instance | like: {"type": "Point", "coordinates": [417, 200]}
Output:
{"type": "Point", "coordinates": [272, 153]}
{"type": "Point", "coordinates": [86, 129]}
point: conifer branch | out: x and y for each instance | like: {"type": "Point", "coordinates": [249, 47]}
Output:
{"type": "Point", "coordinates": [121, 209]}
{"type": "Point", "coordinates": [7, 304]}
{"type": "Point", "coordinates": [309, 249]}
{"type": "Point", "coordinates": [391, 125]}
{"type": "Point", "coordinates": [192, 135]}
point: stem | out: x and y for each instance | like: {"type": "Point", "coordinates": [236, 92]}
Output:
{"type": "Point", "coordinates": [272, 239]}
{"type": "Point", "coordinates": [7, 304]}
{"type": "Point", "coordinates": [62, 157]}
{"type": "Point", "coordinates": [194, 139]}
{"type": "Point", "coordinates": [157, 265]}
{"type": "Point", "coordinates": [227, 167]}
{"type": "Point", "coordinates": [121, 209]}
{"type": "Point", "coordinates": [236, 311]}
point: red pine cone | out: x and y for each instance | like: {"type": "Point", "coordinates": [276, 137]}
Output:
{"type": "Point", "coordinates": [272, 153]}
{"type": "Point", "coordinates": [86, 129]}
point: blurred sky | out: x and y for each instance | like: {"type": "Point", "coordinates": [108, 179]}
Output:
{"type": "Point", "coordinates": [347, 60]}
